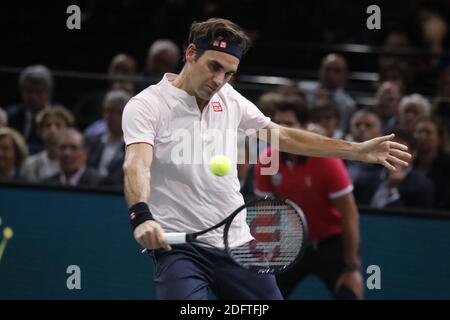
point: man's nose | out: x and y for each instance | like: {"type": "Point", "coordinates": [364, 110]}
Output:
{"type": "Point", "coordinates": [219, 78]}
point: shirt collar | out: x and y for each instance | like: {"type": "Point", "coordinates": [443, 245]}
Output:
{"type": "Point", "coordinates": [74, 179]}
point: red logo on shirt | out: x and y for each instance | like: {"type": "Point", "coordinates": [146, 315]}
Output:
{"type": "Point", "coordinates": [217, 107]}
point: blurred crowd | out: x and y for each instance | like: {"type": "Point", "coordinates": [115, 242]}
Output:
{"type": "Point", "coordinates": [82, 145]}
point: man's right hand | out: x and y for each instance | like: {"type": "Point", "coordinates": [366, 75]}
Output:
{"type": "Point", "coordinates": [150, 235]}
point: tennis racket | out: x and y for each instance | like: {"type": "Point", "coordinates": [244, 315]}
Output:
{"type": "Point", "coordinates": [279, 230]}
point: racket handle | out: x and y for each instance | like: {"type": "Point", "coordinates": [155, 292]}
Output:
{"type": "Point", "coordinates": [175, 237]}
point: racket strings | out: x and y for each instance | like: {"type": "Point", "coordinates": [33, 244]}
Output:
{"type": "Point", "coordinates": [278, 237]}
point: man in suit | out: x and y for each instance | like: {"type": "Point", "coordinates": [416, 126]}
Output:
{"type": "Point", "coordinates": [107, 150]}
{"type": "Point", "coordinates": [72, 159]}
{"type": "Point", "coordinates": [36, 84]}
{"type": "Point", "coordinates": [404, 188]}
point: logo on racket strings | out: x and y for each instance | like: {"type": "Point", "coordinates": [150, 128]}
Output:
{"type": "Point", "coordinates": [266, 231]}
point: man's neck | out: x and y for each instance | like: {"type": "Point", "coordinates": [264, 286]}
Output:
{"type": "Point", "coordinates": [182, 82]}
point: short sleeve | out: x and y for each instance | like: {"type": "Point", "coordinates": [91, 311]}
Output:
{"type": "Point", "coordinates": [252, 119]}
{"type": "Point", "coordinates": [337, 181]}
{"type": "Point", "coordinates": [139, 122]}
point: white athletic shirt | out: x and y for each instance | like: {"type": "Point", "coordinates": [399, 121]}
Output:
{"type": "Point", "coordinates": [185, 195]}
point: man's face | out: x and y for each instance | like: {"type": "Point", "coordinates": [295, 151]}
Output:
{"type": "Point", "coordinates": [112, 113]}
{"type": "Point", "coordinates": [122, 66]}
{"type": "Point", "coordinates": [72, 154]}
{"type": "Point", "coordinates": [333, 72]}
{"type": "Point", "coordinates": [410, 114]}
{"type": "Point", "coordinates": [287, 119]}
{"type": "Point", "coordinates": [427, 136]}
{"type": "Point", "coordinates": [162, 62]}
{"type": "Point", "coordinates": [51, 128]}
{"type": "Point", "coordinates": [210, 72]}
{"type": "Point", "coordinates": [387, 100]}
{"type": "Point", "coordinates": [7, 153]}
{"type": "Point", "coordinates": [364, 126]}
{"type": "Point", "coordinates": [35, 95]}
{"type": "Point", "coordinates": [328, 121]}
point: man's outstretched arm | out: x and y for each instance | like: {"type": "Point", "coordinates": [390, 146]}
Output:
{"type": "Point", "coordinates": [381, 150]}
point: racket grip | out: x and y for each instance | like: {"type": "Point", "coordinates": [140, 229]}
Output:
{"type": "Point", "coordinates": [175, 237]}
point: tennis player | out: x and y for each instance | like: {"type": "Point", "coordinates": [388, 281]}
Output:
{"type": "Point", "coordinates": [166, 194]}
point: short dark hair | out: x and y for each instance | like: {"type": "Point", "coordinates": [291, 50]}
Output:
{"type": "Point", "coordinates": [320, 110]}
{"type": "Point", "coordinates": [218, 29]}
{"type": "Point", "coordinates": [296, 105]}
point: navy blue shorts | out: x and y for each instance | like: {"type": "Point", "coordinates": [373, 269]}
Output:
{"type": "Point", "coordinates": [187, 271]}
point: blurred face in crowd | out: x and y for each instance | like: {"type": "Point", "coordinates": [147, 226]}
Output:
{"type": "Point", "coordinates": [112, 113]}
{"type": "Point", "coordinates": [122, 65]}
{"type": "Point", "coordinates": [387, 99]}
{"type": "Point", "coordinates": [51, 128]}
{"type": "Point", "coordinates": [125, 66]}
{"type": "Point", "coordinates": [35, 95]}
{"type": "Point", "coordinates": [427, 136]}
{"type": "Point", "coordinates": [7, 154]}
{"type": "Point", "coordinates": [161, 62]}
{"type": "Point", "coordinates": [72, 153]}
{"type": "Point", "coordinates": [287, 119]}
{"type": "Point", "coordinates": [209, 72]}
{"type": "Point", "coordinates": [333, 72]}
{"type": "Point", "coordinates": [410, 114]}
{"type": "Point", "coordinates": [396, 41]}
{"type": "Point", "coordinates": [327, 120]}
{"type": "Point", "coordinates": [364, 126]}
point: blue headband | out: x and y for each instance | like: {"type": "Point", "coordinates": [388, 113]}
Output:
{"type": "Point", "coordinates": [230, 47]}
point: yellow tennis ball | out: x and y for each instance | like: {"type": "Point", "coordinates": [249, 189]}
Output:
{"type": "Point", "coordinates": [220, 165]}
{"type": "Point", "coordinates": [8, 233]}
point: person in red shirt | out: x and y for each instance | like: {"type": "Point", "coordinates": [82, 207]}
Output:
{"type": "Point", "coordinates": [323, 190]}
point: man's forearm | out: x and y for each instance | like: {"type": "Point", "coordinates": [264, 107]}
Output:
{"type": "Point", "coordinates": [350, 239]}
{"type": "Point", "coordinates": [307, 143]}
{"type": "Point", "coordinates": [136, 184]}
{"type": "Point", "coordinates": [350, 228]}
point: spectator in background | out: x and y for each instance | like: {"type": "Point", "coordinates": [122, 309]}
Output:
{"type": "Point", "coordinates": [3, 118]}
{"type": "Point", "coordinates": [405, 187]}
{"type": "Point", "coordinates": [393, 65]}
{"type": "Point", "coordinates": [36, 85]}
{"type": "Point", "coordinates": [364, 125]}
{"type": "Point", "coordinates": [163, 57]}
{"type": "Point", "coordinates": [107, 150]}
{"type": "Point", "coordinates": [50, 123]}
{"type": "Point", "coordinates": [267, 103]}
{"type": "Point", "coordinates": [121, 73]}
{"type": "Point", "coordinates": [291, 89]}
{"type": "Point", "coordinates": [432, 159]}
{"type": "Point", "coordinates": [412, 109]}
{"type": "Point", "coordinates": [322, 188]}
{"type": "Point", "coordinates": [72, 158]}
{"type": "Point", "coordinates": [333, 76]}
{"type": "Point", "coordinates": [13, 152]}
{"type": "Point", "coordinates": [327, 116]}
{"type": "Point", "coordinates": [387, 102]}
{"type": "Point", "coordinates": [397, 72]}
